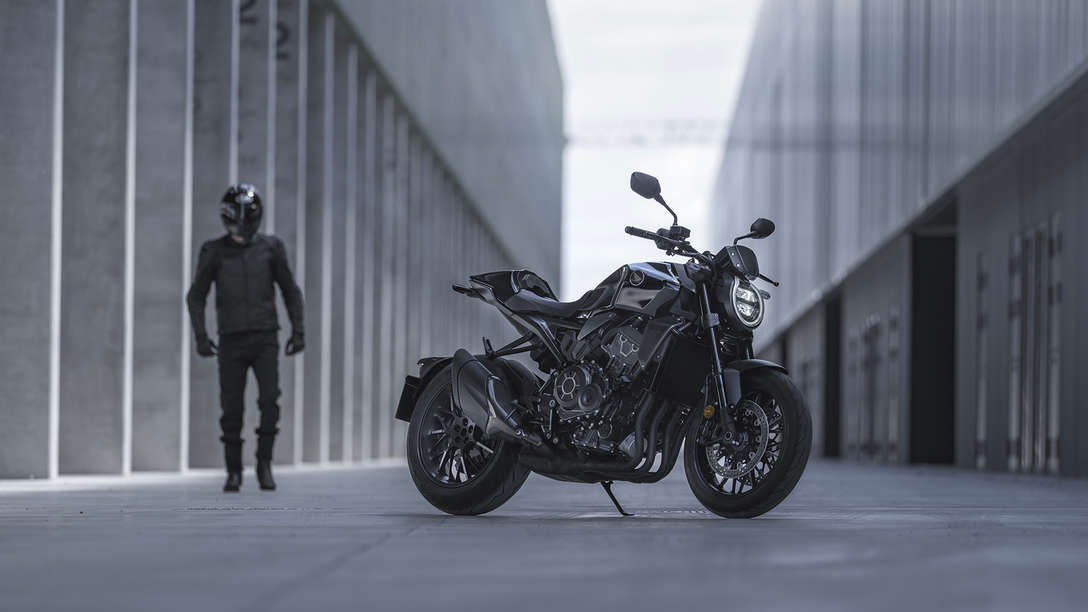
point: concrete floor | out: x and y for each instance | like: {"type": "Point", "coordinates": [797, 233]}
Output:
{"type": "Point", "coordinates": [863, 538]}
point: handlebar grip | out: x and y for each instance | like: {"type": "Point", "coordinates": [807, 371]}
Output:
{"type": "Point", "coordinates": [641, 233]}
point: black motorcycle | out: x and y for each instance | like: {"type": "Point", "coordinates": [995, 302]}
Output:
{"type": "Point", "coordinates": [656, 357]}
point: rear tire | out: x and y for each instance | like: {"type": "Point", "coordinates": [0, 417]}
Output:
{"type": "Point", "coordinates": [782, 460]}
{"type": "Point", "coordinates": [482, 481]}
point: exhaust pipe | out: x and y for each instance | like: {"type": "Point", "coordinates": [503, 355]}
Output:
{"type": "Point", "coordinates": [486, 399]}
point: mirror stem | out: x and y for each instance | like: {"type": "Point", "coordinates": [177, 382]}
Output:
{"type": "Point", "coordinates": [661, 200]}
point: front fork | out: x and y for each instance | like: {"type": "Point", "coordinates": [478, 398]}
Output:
{"type": "Point", "coordinates": [726, 381]}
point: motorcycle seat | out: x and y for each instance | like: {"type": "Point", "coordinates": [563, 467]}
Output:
{"type": "Point", "coordinates": [529, 302]}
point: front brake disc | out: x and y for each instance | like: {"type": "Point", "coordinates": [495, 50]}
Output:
{"type": "Point", "coordinates": [734, 464]}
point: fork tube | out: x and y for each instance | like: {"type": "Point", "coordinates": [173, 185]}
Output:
{"type": "Point", "coordinates": [719, 380]}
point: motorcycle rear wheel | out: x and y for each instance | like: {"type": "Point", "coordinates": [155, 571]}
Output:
{"type": "Point", "coordinates": [751, 481]}
{"type": "Point", "coordinates": [452, 465]}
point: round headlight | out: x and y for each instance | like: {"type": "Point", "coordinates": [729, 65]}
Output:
{"type": "Point", "coordinates": [747, 303]}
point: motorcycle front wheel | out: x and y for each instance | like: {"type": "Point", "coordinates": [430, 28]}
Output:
{"type": "Point", "coordinates": [453, 466]}
{"type": "Point", "coordinates": [774, 430]}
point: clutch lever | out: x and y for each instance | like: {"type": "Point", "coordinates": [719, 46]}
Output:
{"type": "Point", "coordinates": [768, 280]}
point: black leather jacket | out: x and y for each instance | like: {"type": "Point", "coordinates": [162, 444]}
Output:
{"type": "Point", "coordinates": [243, 274]}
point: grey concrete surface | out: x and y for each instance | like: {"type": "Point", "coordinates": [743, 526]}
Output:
{"type": "Point", "coordinates": [158, 284]}
{"type": "Point", "coordinates": [92, 327]}
{"type": "Point", "coordinates": [27, 49]}
{"type": "Point", "coordinates": [850, 537]}
{"type": "Point", "coordinates": [213, 144]}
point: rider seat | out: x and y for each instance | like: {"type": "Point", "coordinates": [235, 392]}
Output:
{"type": "Point", "coordinates": [532, 295]}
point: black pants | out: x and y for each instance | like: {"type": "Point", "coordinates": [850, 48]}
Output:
{"type": "Point", "coordinates": [237, 354]}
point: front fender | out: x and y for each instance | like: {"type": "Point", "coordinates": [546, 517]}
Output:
{"type": "Point", "coordinates": [732, 372]}
{"type": "Point", "coordinates": [745, 365]}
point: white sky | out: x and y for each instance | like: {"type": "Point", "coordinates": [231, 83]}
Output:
{"type": "Point", "coordinates": [660, 72]}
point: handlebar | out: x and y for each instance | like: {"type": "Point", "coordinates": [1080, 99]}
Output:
{"type": "Point", "coordinates": [669, 245]}
{"type": "Point", "coordinates": [641, 233]}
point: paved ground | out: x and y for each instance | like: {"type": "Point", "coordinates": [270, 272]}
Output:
{"type": "Point", "coordinates": [850, 537]}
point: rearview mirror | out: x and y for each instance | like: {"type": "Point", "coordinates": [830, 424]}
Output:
{"type": "Point", "coordinates": [645, 185]}
{"type": "Point", "coordinates": [761, 228]}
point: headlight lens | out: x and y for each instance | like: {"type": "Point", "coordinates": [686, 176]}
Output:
{"type": "Point", "coordinates": [747, 303]}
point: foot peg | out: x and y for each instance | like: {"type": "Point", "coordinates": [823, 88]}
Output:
{"type": "Point", "coordinates": [485, 398]}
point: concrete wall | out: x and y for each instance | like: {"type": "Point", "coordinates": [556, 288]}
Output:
{"type": "Point", "coordinates": [493, 112]}
{"type": "Point", "coordinates": [127, 120]}
{"type": "Point", "coordinates": [871, 131]}
{"type": "Point", "coordinates": [1020, 340]}
{"type": "Point", "coordinates": [854, 116]}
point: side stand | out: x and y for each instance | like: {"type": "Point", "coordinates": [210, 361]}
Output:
{"type": "Point", "coordinates": [607, 484]}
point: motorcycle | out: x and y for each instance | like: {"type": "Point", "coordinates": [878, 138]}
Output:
{"type": "Point", "coordinates": [656, 358]}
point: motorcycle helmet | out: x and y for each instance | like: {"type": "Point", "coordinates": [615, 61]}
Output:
{"type": "Point", "coordinates": [241, 210]}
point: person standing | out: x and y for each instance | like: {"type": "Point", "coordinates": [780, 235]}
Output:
{"type": "Point", "coordinates": [244, 265]}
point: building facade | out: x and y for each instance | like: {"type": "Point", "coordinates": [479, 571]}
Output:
{"type": "Point", "coordinates": [925, 162]}
{"type": "Point", "coordinates": [398, 147]}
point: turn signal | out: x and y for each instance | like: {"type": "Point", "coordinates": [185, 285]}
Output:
{"type": "Point", "coordinates": [708, 411]}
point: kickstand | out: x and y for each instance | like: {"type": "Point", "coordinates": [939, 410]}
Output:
{"type": "Point", "coordinates": [607, 484]}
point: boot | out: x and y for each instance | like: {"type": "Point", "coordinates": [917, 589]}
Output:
{"type": "Point", "coordinates": [264, 461]}
{"type": "Point", "coordinates": [233, 483]}
{"type": "Point", "coordinates": [232, 454]}
{"type": "Point", "coordinates": [264, 475]}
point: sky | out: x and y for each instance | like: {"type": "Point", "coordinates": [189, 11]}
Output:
{"type": "Point", "coordinates": [650, 86]}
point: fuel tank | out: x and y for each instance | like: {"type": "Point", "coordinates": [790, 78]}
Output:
{"type": "Point", "coordinates": [646, 288]}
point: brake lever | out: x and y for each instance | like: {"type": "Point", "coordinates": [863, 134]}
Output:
{"type": "Point", "coordinates": [768, 280]}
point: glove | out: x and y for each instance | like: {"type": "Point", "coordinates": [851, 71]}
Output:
{"type": "Point", "coordinates": [205, 347]}
{"type": "Point", "coordinates": [294, 345]}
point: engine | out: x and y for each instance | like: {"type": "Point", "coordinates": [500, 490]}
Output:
{"type": "Point", "coordinates": [591, 399]}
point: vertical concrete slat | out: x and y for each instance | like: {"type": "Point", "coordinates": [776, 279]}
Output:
{"type": "Point", "coordinates": [213, 150]}
{"type": "Point", "coordinates": [388, 242]}
{"type": "Point", "coordinates": [334, 235]}
{"type": "Point", "coordinates": [313, 420]}
{"type": "Point", "coordinates": [159, 190]}
{"type": "Point", "coordinates": [400, 335]}
{"type": "Point", "coordinates": [283, 211]}
{"type": "Point", "coordinates": [351, 167]}
{"type": "Point", "coordinates": [31, 142]}
{"type": "Point", "coordinates": [254, 92]}
{"type": "Point", "coordinates": [367, 284]}
{"type": "Point", "coordinates": [186, 236]}
{"type": "Point", "coordinates": [92, 341]}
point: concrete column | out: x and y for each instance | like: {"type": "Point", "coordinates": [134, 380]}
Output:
{"type": "Point", "coordinates": [430, 256]}
{"type": "Point", "coordinates": [352, 178]}
{"type": "Point", "coordinates": [387, 274]}
{"type": "Point", "coordinates": [256, 98]}
{"type": "Point", "coordinates": [402, 249]}
{"type": "Point", "coordinates": [283, 213]}
{"type": "Point", "coordinates": [93, 283]}
{"type": "Point", "coordinates": [335, 240]}
{"type": "Point", "coordinates": [161, 96]}
{"type": "Point", "coordinates": [320, 240]}
{"type": "Point", "coordinates": [31, 53]}
{"type": "Point", "coordinates": [214, 168]}
{"type": "Point", "coordinates": [367, 254]}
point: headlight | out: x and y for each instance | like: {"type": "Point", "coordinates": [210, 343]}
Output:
{"type": "Point", "coordinates": [747, 303]}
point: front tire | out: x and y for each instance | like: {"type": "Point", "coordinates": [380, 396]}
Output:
{"type": "Point", "coordinates": [452, 465]}
{"type": "Point", "coordinates": [754, 479]}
